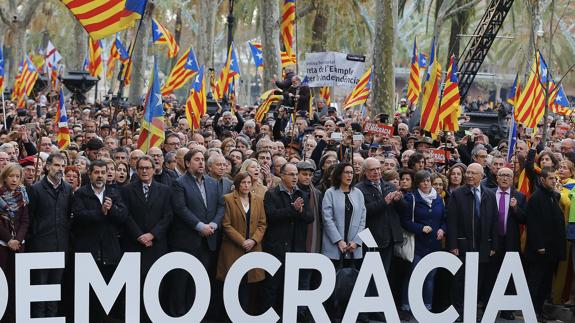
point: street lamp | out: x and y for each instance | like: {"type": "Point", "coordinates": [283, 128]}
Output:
{"type": "Point", "coordinates": [230, 21]}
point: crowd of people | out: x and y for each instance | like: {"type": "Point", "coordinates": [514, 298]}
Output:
{"type": "Point", "coordinates": [287, 184]}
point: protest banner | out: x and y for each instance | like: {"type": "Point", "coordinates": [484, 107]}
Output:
{"type": "Point", "coordinates": [333, 69]}
{"type": "Point", "coordinates": [440, 155]}
{"type": "Point", "coordinates": [379, 129]}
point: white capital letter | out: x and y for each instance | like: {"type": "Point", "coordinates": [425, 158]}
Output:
{"type": "Point", "coordinates": [27, 293]}
{"type": "Point", "coordinates": [499, 301]}
{"type": "Point", "coordinates": [313, 299]}
{"type": "Point", "coordinates": [168, 262]}
{"type": "Point", "coordinates": [87, 274]}
{"type": "Point", "coordinates": [371, 266]}
{"type": "Point", "coordinates": [240, 268]}
{"type": "Point", "coordinates": [3, 293]}
{"type": "Point", "coordinates": [424, 267]}
{"type": "Point", "coordinates": [470, 293]}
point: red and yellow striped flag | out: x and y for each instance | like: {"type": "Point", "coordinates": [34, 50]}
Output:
{"type": "Point", "coordinates": [196, 105]}
{"type": "Point", "coordinates": [430, 105]}
{"type": "Point", "coordinates": [450, 110]}
{"type": "Point", "coordinates": [266, 99]}
{"type": "Point", "coordinates": [96, 66]}
{"type": "Point", "coordinates": [161, 36]}
{"type": "Point", "coordinates": [287, 60]}
{"type": "Point", "coordinates": [230, 71]}
{"type": "Point", "coordinates": [324, 92]}
{"type": "Point", "coordinates": [360, 92]}
{"type": "Point", "coordinates": [183, 71]}
{"type": "Point", "coordinates": [287, 25]}
{"type": "Point", "coordinates": [414, 83]}
{"type": "Point", "coordinates": [102, 18]}
{"type": "Point", "coordinates": [530, 106]}
{"type": "Point", "coordinates": [26, 82]}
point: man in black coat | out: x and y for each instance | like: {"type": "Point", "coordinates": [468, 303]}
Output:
{"type": "Point", "coordinates": [198, 212]}
{"type": "Point", "coordinates": [471, 227]}
{"type": "Point", "coordinates": [99, 215]}
{"type": "Point", "coordinates": [383, 202]}
{"type": "Point", "coordinates": [149, 216]}
{"type": "Point", "coordinates": [297, 95]}
{"type": "Point", "coordinates": [226, 124]}
{"type": "Point", "coordinates": [512, 206]}
{"type": "Point", "coordinates": [49, 231]}
{"type": "Point", "coordinates": [287, 219]}
{"type": "Point", "coordinates": [161, 174]}
{"type": "Point", "coordinates": [545, 239]}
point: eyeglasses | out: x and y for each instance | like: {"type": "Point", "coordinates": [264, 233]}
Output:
{"type": "Point", "coordinates": [348, 172]}
{"type": "Point", "coordinates": [144, 168]}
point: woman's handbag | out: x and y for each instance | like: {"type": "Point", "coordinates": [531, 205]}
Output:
{"type": "Point", "coordinates": [406, 249]}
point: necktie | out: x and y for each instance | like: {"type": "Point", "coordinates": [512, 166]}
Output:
{"type": "Point", "coordinates": [146, 191]}
{"type": "Point", "coordinates": [502, 223]}
{"type": "Point", "coordinates": [477, 202]}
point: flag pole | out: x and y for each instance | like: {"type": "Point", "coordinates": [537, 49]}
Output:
{"type": "Point", "coordinates": [3, 108]}
{"type": "Point", "coordinates": [131, 49]}
{"type": "Point", "coordinates": [296, 46]}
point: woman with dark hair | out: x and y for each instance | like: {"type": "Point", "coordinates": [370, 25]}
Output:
{"type": "Point", "coordinates": [344, 215]}
{"type": "Point", "coordinates": [122, 173]}
{"type": "Point", "coordinates": [329, 158]}
{"type": "Point", "coordinates": [454, 178]}
{"type": "Point", "coordinates": [14, 223]}
{"type": "Point", "coordinates": [416, 162]}
{"type": "Point", "coordinates": [244, 225]}
{"type": "Point", "coordinates": [73, 177]}
{"type": "Point", "coordinates": [425, 218]}
{"type": "Point", "coordinates": [406, 180]}
{"type": "Point", "coordinates": [533, 164]}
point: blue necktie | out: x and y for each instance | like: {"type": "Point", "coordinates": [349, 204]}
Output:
{"type": "Point", "coordinates": [477, 202]}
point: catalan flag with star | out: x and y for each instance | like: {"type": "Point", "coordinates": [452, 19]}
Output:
{"type": "Point", "coordinates": [161, 36]}
{"type": "Point", "coordinates": [360, 92]}
{"type": "Point", "coordinates": [530, 106]}
{"type": "Point", "coordinates": [414, 83]}
{"type": "Point", "coordinates": [257, 53]}
{"type": "Point", "coordinates": [196, 105]}
{"type": "Point", "coordinates": [102, 18]}
{"type": "Point", "coordinates": [63, 132]}
{"type": "Point", "coordinates": [230, 71]}
{"type": "Point", "coordinates": [183, 71]}
{"type": "Point", "coordinates": [27, 80]}
{"type": "Point", "coordinates": [152, 130]}
{"type": "Point", "coordinates": [430, 105]}
{"type": "Point", "coordinates": [450, 110]}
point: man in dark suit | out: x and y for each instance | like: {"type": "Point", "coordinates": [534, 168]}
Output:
{"type": "Point", "coordinates": [217, 170]}
{"type": "Point", "coordinates": [50, 218]}
{"type": "Point", "coordinates": [198, 211]}
{"type": "Point", "coordinates": [471, 227]}
{"type": "Point", "coordinates": [99, 215]}
{"type": "Point", "coordinates": [382, 202]}
{"type": "Point", "coordinates": [288, 216]}
{"type": "Point", "coordinates": [512, 206]}
{"type": "Point", "coordinates": [149, 216]}
{"type": "Point", "coordinates": [545, 239]}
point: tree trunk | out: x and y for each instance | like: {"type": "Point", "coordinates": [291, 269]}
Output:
{"type": "Point", "coordinates": [205, 45]}
{"type": "Point", "coordinates": [139, 59]}
{"type": "Point", "coordinates": [177, 36]}
{"type": "Point", "coordinates": [319, 27]}
{"type": "Point", "coordinates": [76, 62]}
{"type": "Point", "coordinates": [383, 87]}
{"type": "Point", "coordinates": [270, 40]}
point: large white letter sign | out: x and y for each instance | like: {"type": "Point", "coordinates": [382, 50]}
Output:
{"type": "Point", "coordinates": [168, 262]}
{"type": "Point", "coordinates": [87, 274]}
{"type": "Point", "coordinates": [371, 266]}
{"type": "Point", "coordinates": [424, 267]}
{"type": "Point", "coordinates": [27, 293]}
{"type": "Point", "coordinates": [240, 268]}
{"type": "Point", "coordinates": [470, 293]}
{"type": "Point", "coordinates": [511, 267]}
{"type": "Point", "coordinates": [3, 293]}
{"type": "Point", "coordinates": [313, 299]}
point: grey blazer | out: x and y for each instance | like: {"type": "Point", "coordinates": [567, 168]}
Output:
{"type": "Point", "coordinates": [333, 213]}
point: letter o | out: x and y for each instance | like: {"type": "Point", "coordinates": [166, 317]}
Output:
{"type": "Point", "coordinates": [168, 262]}
{"type": "Point", "coordinates": [3, 293]}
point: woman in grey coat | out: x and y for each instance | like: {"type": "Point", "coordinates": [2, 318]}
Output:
{"type": "Point", "coordinates": [344, 213]}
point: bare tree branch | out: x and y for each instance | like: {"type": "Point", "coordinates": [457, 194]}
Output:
{"type": "Point", "coordinates": [5, 19]}
{"type": "Point", "coordinates": [303, 11]}
{"type": "Point", "coordinates": [461, 8]}
{"type": "Point", "coordinates": [365, 17]}
{"type": "Point", "coordinates": [29, 11]}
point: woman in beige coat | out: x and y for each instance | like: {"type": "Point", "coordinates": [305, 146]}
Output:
{"type": "Point", "coordinates": [244, 225]}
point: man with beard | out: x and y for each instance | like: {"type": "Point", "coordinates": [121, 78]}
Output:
{"type": "Point", "coordinates": [99, 215]}
{"type": "Point", "coordinates": [49, 211]}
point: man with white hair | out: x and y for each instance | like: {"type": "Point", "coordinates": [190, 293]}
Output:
{"type": "Point", "coordinates": [226, 124]}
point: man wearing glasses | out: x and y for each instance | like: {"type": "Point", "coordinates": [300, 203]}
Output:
{"type": "Point", "coordinates": [512, 207]}
{"type": "Point", "coordinates": [172, 143]}
{"type": "Point", "coordinates": [288, 216]}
